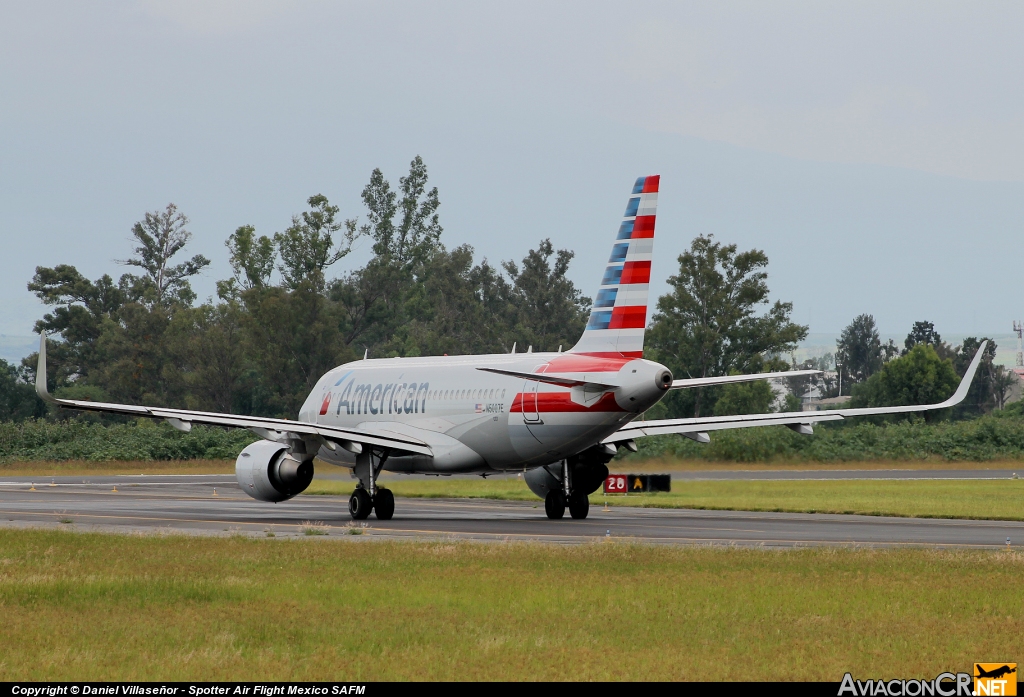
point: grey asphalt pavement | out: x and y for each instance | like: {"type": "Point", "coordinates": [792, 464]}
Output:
{"type": "Point", "coordinates": [778, 475]}
{"type": "Point", "coordinates": [213, 504]}
{"type": "Point", "coordinates": [828, 474]}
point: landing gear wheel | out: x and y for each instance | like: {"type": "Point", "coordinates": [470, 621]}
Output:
{"type": "Point", "coordinates": [579, 506]}
{"type": "Point", "coordinates": [360, 505]}
{"type": "Point", "coordinates": [384, 504]}
{"type": "Point", "coordinates": [554, 504]}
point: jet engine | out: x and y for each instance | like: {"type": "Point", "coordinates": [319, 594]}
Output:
{"type": "Point", "coordinates": [267, 471]}
{"type": "Point", "coordinates": [589, 470]}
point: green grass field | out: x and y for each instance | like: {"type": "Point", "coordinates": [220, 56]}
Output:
{"type": "Point", "coordinates": [79, 606]}
{"type": "Point", "coordinates": [1001, 499]}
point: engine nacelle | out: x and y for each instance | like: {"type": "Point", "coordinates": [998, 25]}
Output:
{"type": "Point", "coordinates": [589, 470]}
{"type": "Point", "coordinates": [268, 472]}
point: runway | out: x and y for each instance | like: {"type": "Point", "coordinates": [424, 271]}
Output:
{"type": "Point", "coordinates": [214, 505]}
{"type": "Point", "coordinates": [759, 474]}
{"type": "Point", "coordinates": [838, 474]}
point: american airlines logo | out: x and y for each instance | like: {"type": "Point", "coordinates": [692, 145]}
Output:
{"type": "Point", "coordinates": [390, 398]}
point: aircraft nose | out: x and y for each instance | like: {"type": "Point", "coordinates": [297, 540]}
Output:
{"type": "Point", "coordinates": [663, 379]}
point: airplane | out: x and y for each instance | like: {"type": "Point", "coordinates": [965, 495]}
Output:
{"type": "Point", "coordinates": [996, 672]}
{"type": "Point", "coordinates": [557, 417]}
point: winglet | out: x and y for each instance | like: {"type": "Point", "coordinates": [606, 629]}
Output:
{"type": "Point", "coordinates": [958, 396]}
{"type": "Point", "coordinates": [41, 390]}
{"type": "Point", "coordinates": [965, 383]}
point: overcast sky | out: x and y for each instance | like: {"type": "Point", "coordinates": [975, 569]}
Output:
{"type": "Point", "coordinates": [875, 151]}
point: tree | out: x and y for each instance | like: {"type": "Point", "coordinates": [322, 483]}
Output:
{"type": "Point", "coordinates": [708, 324]}
{"type": "Point", "coordinates": [981, 396]}
{"type": "Point", "coordinates": [549, 310]}
{"type": "Point", "coordinates": [746, 398]}
{"type": "Point", "coordinates": [860, 353]}
{"type": "Point", "coordinates": [307, 247]}
{"type": "Point", "coordinates": [920, 377]}
{"type": "Point", "coordinates": [921, 333]}
{"type": "Point", "coordinates": [207, 367]}
{"type": "Point", "coordinates": [83, 310]}
{"type": "Point", "coordinates": [1002, 382]}
{"type": "Point", "coordinates": [161, 235]}
{"type": "Point", "coordinates": [453, 309]}
{"type": "Point", "coordinates": [826, 381]}
{"type": "Point", "coordinates": [252, 261]}
{"type": "Point", "coordinates": [18, 400]}
{"type": "Point", "coordinates": [417, 233]}
{"type": "Point", "coordinates": [406, 235]}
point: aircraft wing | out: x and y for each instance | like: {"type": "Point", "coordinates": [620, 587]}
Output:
{"type": "Point", "coordinates": [729, 379]}
{"type": "Point", "coordinates": [352, 439]}
{"type": "Point", "coordinates": [800, 421]}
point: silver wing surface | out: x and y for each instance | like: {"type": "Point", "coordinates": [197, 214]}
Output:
{"type": "Point", "coordinates": [800, 421]}
{"type": "Point", "coordinates": [352, 439]}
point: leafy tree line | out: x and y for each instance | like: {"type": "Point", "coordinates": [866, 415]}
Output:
{"type": "Point", "coordinates": [925, 370]}
{"type": "Point", "coordinates": [283, 318]}
{"type": "Point", "coordinates": [286, 315]}
{"type": "Point", "coordinates": [995, 436]}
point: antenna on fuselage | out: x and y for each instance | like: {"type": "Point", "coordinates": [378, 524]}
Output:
{"type": "Point", "coordinates": [559, 348]}
{"type": "Point", "coordinates": [530, 349]}
{"type": "Point", "coordinates": [513, 347]}
{"type": "Point", "coordinates": [366, 353]}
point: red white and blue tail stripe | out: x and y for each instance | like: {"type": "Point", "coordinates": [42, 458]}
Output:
{"type": "Point", "coordinates": [619, 314]}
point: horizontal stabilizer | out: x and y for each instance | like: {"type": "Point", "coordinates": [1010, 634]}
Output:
{"type": "Point", "coordinates": [562, 379]}
{"type": "Point", "coordinates": [730, 379]}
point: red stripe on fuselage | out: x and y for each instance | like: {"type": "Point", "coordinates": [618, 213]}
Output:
{"type": "Point", "coordinates": [636, 272]}
{"type": "Point", "coordinates": [643, 226]}
{"type": "Point", "coordinates": [554, 402]}
{"type": "Point", "coordinates": [629, 317]}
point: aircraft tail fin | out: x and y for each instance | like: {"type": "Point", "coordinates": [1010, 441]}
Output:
{"type": "Point", "coordinates": [619, 314]}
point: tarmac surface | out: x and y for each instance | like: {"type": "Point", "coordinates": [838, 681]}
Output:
{"type": "Point", "coordinates": [214, 505]}
{"type": "Point", "coordinates": [338, 474]}
{"type": "Point", "coordinates": [830, 474]}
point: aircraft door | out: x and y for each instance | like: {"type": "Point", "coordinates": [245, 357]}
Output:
{"type": "Point", "coordinates": [530, 413]}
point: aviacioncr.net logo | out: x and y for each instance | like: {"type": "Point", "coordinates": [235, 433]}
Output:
{"type": "Point", "coordinates": [944, 685]}
{"type": "Point", "coordinates": [995, 679]}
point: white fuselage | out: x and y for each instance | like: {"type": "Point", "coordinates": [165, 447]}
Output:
{"type": "Point", "coordinates": [478, 421]}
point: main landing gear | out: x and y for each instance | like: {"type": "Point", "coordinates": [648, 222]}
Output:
{"type": "Point", "coordinates": [368, 496]}
{"type": "Point", "coordinates": [361, 503]}
{"type": "Point", "coordinates": [555, 502]}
